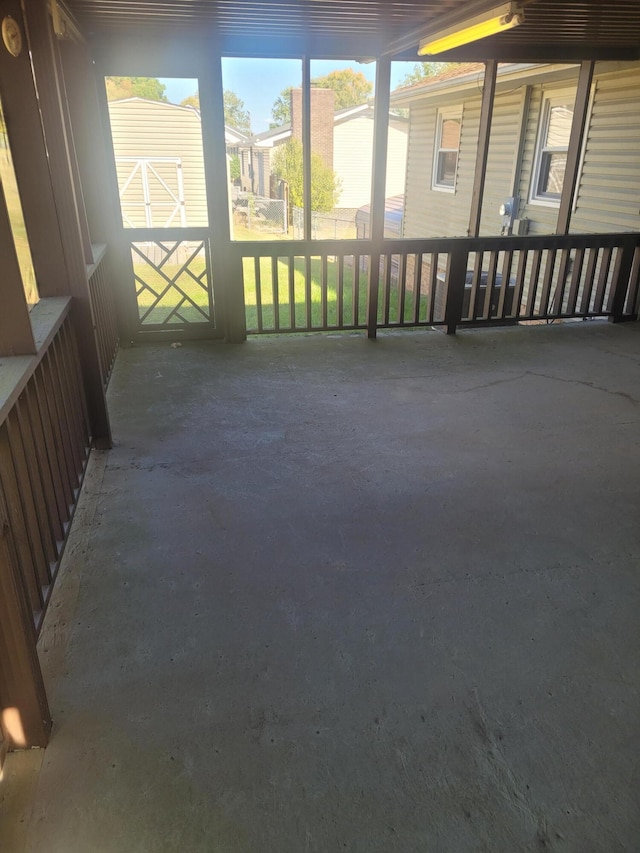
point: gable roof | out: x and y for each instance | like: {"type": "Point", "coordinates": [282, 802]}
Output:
{"type": "Point", "coordinates": [450, 72]}
{"type": "Point", "coordinates": [470, 75]}
{"type": "Point", "coordinates": [231, 134]}
{"type": "Point", "coordinates": [270, 137]}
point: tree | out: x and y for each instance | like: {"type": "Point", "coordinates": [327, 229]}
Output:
{"type": "Point", "coordinates": [191, 101]}
{"type": "Point", "coordinates": [234, 167]}
{"type": "Point", "coordinates": [286, 164]}
{"type": "Point", "coordinates": [351, 88]}
{"type": "Point", "coordinates": [135, 87]}
{"type": "Point", "coordinates": [423, 70]}
{"type": "Point", "coordinates": [281, 109]}
{"type": "Point", "coordinates": [235, 114]}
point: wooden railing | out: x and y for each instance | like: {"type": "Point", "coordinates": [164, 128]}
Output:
{"type": "Point", "coordinates": [104, 311]}
{"type": "Point", "coordinates": [44, 447]}
{"type": "Point", "coordinates": [336, 285]}
{"type": "Point", "coordinates": [288, 292]}
{"type": "Point", "coordinates": [550, 278]}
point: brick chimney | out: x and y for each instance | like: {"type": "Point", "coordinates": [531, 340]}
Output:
{"type": "Point", "coordinates": [322, 110]}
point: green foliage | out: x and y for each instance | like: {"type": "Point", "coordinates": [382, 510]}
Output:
{"type": "Point", "coordinates": [351, 87]}
{"type": "Point", "coordinates": [325, 184]}
{"type": "Point", "coordinates": [423, 70]}
{"type": "Point", "coordinates": [281, 109]}
{"type": "Point", "coordinates": [191, 101]}
{"type": "Point", "coordinates": [234, 167]}
{"type": "Point", "coordinates": [135, 87]}
{"type": "Point", "coordinates": [235, 114]}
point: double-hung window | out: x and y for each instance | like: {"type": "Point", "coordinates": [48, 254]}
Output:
{"type": "Point", "coordinates": [551, 151]}
{"type": "Point", "coordinates": [445, 161]}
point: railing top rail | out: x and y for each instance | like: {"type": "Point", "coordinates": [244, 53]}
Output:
{"type": "Point", "coordinates": [15, 371]}
{"type": "Point", "coordinates": [99, 251]}
{"type": "Point", "coordinates": [444, 245]}
{"type": "Point", "coordinates": [553, 241]}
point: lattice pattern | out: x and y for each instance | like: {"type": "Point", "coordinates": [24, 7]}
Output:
{"type": "Point", "coordinates": [172, 282]}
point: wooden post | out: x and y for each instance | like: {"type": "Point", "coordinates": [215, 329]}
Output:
{"type": "Point", "coordinates": [22, 116]}
{"type": "Point", "coordinates": [25, 717]}
{"type": "Point", "coordinates": [455, 284]}
{"type": "Point", "coordinates": [121, 264]}
{"type": "Point", "coordinates": [484, 135]}
{"type": "Point", "coordinates": [16, 334]}
{"type": "Point", "coordinates": [306, 148]}
{"type": "Point", "coordinates": [578, 124]}
{"type": "Point", "coordinates": [52, 105]}
{"type": "Point", "coordinates": [226, 273]}
{"type": "Point", "coordinates": [621, 276]}
{"type": "Point", "coordinates": [380, 134]}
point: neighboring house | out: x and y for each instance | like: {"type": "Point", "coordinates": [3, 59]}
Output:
{"type": "Point", "coordinates": [531, 123]}
{"type": "Point", "coordinates": [160, 164]}
{"type": "Point", "coordinates": [351, 153]}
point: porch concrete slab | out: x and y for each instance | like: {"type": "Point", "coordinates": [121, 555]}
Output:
{"type": "Point", "coordinates": [347, 595]}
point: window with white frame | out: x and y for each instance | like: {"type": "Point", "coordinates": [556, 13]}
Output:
{"type": "Point", "coordinates": [445, 160]}
{"type": "Point", "coordinates": [552, 148]}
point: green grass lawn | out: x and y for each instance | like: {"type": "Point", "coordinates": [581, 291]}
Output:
{"type": "Point", "coordinates": [275, 296]}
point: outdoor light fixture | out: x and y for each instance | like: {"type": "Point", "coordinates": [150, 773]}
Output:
{"type": "Point", "coordinates": [503, 17]}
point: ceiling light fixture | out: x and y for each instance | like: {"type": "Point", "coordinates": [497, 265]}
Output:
{"type": "Point", "coordinates": [494, 21]}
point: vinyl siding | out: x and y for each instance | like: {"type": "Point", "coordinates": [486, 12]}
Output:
{"type": "Point", "coordinates": [608, 196]}
{"type": "Point", "coordinates": [542, 217]}
{"type": "Point", "coordinates": [353, 160]}
{"type": "Point", "coordinates": [609, 191]}
{"type": "Point", "coordinates": [501, 160]}
{"type": "Point", "coordinates": [437, 213]}
{"type": "Point", "coordinates": [154, 130]}
{"type": "Point", "coordinates": [397, 143]}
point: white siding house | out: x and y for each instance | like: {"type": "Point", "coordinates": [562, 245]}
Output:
{"type": "Point", "coordinates": [160, 163]}
{"type": "Point", "coordinates": [352, 153]}
{"type": "Point", "coordinates": [531, 121]}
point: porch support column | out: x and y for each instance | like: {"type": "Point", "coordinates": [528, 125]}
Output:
{"type": "Point", "coordinates": [484, 134]}
{"type": "Point", "coordinates": [16, 334]}
{"type": "Point", "coordinates": [52, 106]}
{"type": "Point", "coordinates": [578, 125]}
{"type": "Point", "coordinates": [226, 264]}
{"type": "Point", "coordinates": [455, 284]}
{"type": "Point", "coordinates": [22, 116]}
{"type": "Point", "coordinates": [306, 150]}
{"type": "Point", "coordinates": [380, 135]}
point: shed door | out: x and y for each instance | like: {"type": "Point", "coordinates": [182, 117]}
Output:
{"type": "Point", "coordinates": [160, 172]}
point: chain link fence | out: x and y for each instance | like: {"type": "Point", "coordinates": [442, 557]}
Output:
{"type": "Point", "coordinates": [337, 225]}
{"type": "Point", "coordinates": [257, 213]}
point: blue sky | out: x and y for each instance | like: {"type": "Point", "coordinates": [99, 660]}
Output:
{"type": "Point", "coordinates": [258, 82]}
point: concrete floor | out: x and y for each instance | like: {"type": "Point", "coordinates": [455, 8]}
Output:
{"type": "Point", "coordinates": [328, 594]}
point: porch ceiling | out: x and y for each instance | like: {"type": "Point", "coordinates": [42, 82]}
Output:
{"type": "Point", "coordinates": [554, 29]}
